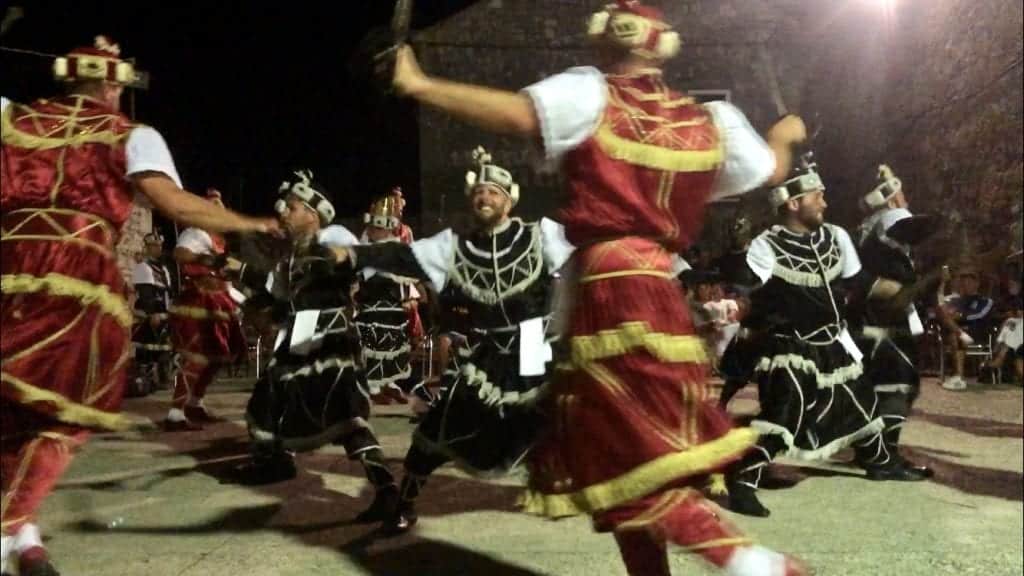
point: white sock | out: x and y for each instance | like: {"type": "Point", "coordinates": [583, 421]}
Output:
{"type": "Point", "coordinates": [756, 561]}
{"type": "Point", "coordinates": [195, 402]}
{"type": "Point", "coordinates": [966, 338]}
{"type": "Point", "coordinates": [27, 537]}
{"type": "Point", "coordinates": [6, 545]}
{"type": "Point", "coordinates": [176, 415]}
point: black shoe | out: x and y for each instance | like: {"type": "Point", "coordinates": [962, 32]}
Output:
{"type": "Point", "coordinates": [923, 471]}
{"type": "Point", "coordinates": [401, 520]}
{"type": "Point", "coordinates": [263, 471]}
{"type": "Point", "coordinates": [897, 473]}
{"type": "Point", "coordinates": [384, 504]}
{"type": "Point", "coordinates": [743, 500]}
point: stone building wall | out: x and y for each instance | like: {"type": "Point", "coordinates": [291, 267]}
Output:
{"type": "Point", "coordinates": [513, 43]}
{"type": "Point", "coordinates": [932, 88]}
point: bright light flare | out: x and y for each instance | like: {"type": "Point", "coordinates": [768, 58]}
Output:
{"type": "Point", "coordinates": [886, 7]}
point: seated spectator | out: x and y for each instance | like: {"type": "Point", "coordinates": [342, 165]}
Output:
{"type": "Point", "coordinates": [967, 317]}
{"type": "Point", "coordinates": [1008, 342]}
{"type": "Point", "coordinates": [724, 315]}
{"type": "Point", "coordinates": [715, 318]}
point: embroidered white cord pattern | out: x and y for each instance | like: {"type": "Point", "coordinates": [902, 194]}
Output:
{"type": "Point", "coordinates": [489, 284]}
{"type": "Point", "coordinates": [805, 270]}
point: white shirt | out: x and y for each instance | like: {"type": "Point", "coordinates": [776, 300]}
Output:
{"type": "Point", "coordinates": [142, 273]}
{"type": "Point", "coordinates": [196, 241]}
{"type": "Point", "coordinates": [722, 311]}
{"type": "Point", "coordinates": [1012, 333]}
{"type": "Point", "coordinates": [145, 151]}
{"type": "Point", "coordinates": [570, 105]}
{"type": "Point", "coordinates": [336, 236]}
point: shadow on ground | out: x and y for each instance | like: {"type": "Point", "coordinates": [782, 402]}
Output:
{"type": "Point", "coordinates": [308, 510]}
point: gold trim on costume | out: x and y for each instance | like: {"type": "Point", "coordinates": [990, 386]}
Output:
{"type": "Point", "coordinates": [652, 257]}
{"type": "Point", "coordinates": [19, 475]}
{"type": "Point", "coordinates": [663, 99]}
{"type": "Point", "coordinates": [7, 524]}
{"type": "Point", "coordinates": [66, 410]}
{"type": "Point", "coordinates": [665, 186]}
{"type": "Point", "coordinates": [605, 377]}
{"type": "Point", "coordinates": [719, 542]}
{"type": "Point", "coordinates": [60, 232]}
{"type": "Point", "coordinates": [60, 285]}
{"type": "Point", "coordinates": [199, 313]}
{"type": "Point", "coordinates": [643, 479]}
{"type": "Point", "coordinates": [652, 156]}
{"type": "Point", "coordinates": [630, 335]}
{"type": "Point", "coordinates": [623, 273]}
{"type": "Point", "coordinates": [72, 125]}
{"type": "Point", "coordinates": [668, 501]}
{"type": "Point", "coordinates": [46, 341]}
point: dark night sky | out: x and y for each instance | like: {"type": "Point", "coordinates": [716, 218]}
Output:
{"type": "Point", "coordinates": [244, 92]}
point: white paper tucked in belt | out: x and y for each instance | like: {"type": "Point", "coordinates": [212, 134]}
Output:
{"type": "Point", "coordinates": [916, 327]}
{"type": "Point", "coordinates": [847, 341]}
{"type": "Point", "coordinates": [236, 295]}
{"type": "Point", "coordinates": [304, 337]}
{"type": "Point", "coordinates": [281, 333]}
{"type": "Point", "coordinates": [534, 352]}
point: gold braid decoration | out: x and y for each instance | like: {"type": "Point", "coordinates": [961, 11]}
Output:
{"type": "Point", "coordinates": [87, 293]}
{"type": "Point", "coordinates": [78, 133]}
{"type": "Point", "coordinates": [630, 335]}
{"type": "Point", "coordinates": [642, 480]}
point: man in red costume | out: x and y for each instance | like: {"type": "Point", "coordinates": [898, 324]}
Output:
{"type": "Point", "coordinates": [72, 166]}
{"type": "Point", "coordinates": [205, 327]}
{"type": "Point", "coordinates": [414, 325]}
{"type": "Point", "coordinates": [640, 161]}
{"type": "Point", "coordinates": [404, 231]}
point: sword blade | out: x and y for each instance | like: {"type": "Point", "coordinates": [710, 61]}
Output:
{"type": "Point", "coordinates": [401, 20]}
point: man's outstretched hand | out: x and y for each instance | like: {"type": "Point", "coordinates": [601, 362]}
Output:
{"type": "Point", "coordinates": [409, 78]}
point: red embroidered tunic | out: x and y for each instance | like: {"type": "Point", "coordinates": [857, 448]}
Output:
{"type": "Point", "coordinates": [64, 198]}
{"type": "Point", "coordinates": [632, 418]}
{"type": "Point", "coordinates": [205, 325]}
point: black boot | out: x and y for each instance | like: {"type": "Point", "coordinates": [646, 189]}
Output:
{"type": "Point", "coordinates": [743, 499]}
{"type": "Point", "coordinates": [385, 502]}
{"type": "Point", "coordinates": [401, 520]}
{"type": "Point", "coordinates": [404, 517]}
{"type": "Point", "coordinates": [884, 463]}
{"type": "Point", "coordinates": [897, 472]}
